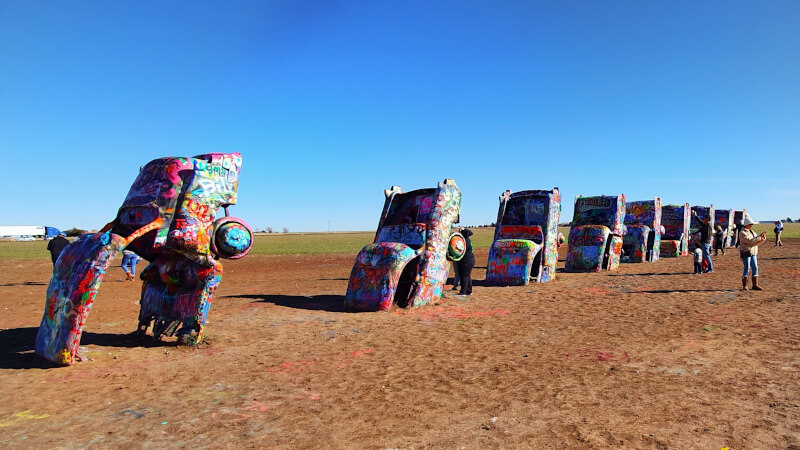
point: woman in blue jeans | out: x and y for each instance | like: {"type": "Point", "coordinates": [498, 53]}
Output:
{"type": "Point", "coordinates": [129, 260]}
{"type": "Point", "coordinates": [748, 251]}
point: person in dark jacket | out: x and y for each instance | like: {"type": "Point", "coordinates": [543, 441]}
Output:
{"type": "Point", "coordinates": [56, 246]}
{"type": "Point", "coordinates": [706, 231]}
{"type": "Point", "coordinates": [466, 264]}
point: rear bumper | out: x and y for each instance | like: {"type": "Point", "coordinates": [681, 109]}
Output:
{"type": "Point", "coordinates": [373, 280]}
{"type": "Point", "coordinates": [510, 262]}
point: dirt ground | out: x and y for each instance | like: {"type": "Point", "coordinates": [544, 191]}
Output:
{"type": "Point", "coordinates": [649, 356]}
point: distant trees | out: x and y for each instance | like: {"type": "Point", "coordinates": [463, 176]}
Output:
{"type": "Point", "coordinates": [74, 232]}
{"type": "Point", "coordinates": [789, 220]}
{"type": "Point", "coordinates": [285, 229]}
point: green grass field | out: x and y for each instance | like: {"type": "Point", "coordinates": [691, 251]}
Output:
{"type": "Point", "coordinates": [322, 243]}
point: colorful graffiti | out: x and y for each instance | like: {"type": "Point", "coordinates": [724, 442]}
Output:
{"type": "Point", "coordinates": [168, 219]}
{"type": "Point", "coordinates": [642, 239]}
{"type": "Point", "coordinates": [696, 221]}
{"type": "Point", "coordinates": [738, 215]}
{"type": "Point", "coordinates": [407, 262]}
{"type": "Point", "coordinates": [724, 218]}
{"type": "Point", "coordinates": [525, 243]}
{"type": "Point", "coordinates": [595, 235]}
{"type": "Point", "coordinates": [675, 239]}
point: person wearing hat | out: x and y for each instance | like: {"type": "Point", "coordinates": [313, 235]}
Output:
{"type": "Point", "coordinates": [466, 264]}
{"type": "Point", "coordinates": [748, 251]}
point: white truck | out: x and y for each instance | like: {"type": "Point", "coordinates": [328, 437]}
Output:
{"type": "Point", "coordinates": [34, 231]}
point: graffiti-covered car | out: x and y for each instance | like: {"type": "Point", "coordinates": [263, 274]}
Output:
{"type": "Point", "coordinates": [642, 240]}
{"type": "Point", "coordinates": [525, 243]}
{"type": "Point", "coordinates": [675, 239]}
{"type": "Point", "coordinates": [407, 262]}
{"type": "Point", "coordinates": [695, 223]}
{"type": "Point", "coordinates": [724, 218]}
{"type": "Point", "coordinates": [595, 235]}
{"type": "Point", "coordinates": [167, 218]}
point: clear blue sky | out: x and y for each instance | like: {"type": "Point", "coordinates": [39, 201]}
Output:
{"type": "Point", "coordinates": [332, 102]}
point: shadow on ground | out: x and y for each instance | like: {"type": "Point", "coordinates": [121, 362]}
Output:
{"type": "Point", "coordinates": [332, 303]}
{"type": "Point", "coordinates": [671, 291]}
{"type": "Point", "coordinates": [17, 350]}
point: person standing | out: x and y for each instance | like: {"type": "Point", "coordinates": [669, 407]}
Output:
{"type": "Point", "coordinates": [697, 257]}
{"type": "Point", "coordinates": [129, 260]}
{"type": "Point", "coordinates": [748, 251]}
{"type": "Point", "coordinates": [706, 232]}
{"type": "Point", "coordinates": [466, 264]}
{"type": "Point", "coordinates": [456, 278]}
{"type": "Point", "coordinates": [719, 240]}
{"type": "Point", "coordinates": [737, 228]}
{"type": "Point", "coordinates": [778, 230]}
{"type": "Point", "coordinates": [56, 246]}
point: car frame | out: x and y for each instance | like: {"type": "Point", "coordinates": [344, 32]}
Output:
{"type": "Point", "coordinates": [642, 239]}
{"type": "Point", "coordinates": [407, 263]}
{"type": "Point", "coordinates": [675, 220]}
{"type": "Point", "coordinates": [724, 218]}
{"type": "Point", "coordinates": [595, 234]}
{"type": "Point", "coordinates": [525, 245]}
{"type": "Point", "coordinates": [168, 219]}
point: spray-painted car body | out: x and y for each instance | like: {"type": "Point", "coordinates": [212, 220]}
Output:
{"type": "Point", "coordinates": [525, 243]}
{"type": "Point", "coordinates": [724, 218]}
{"type": "Point", "coordinates": [407, 262]}
{"type": "Point", "coordinates": [675, 239]}
{"type": "Point", "coordinates": [595, 235]}
{"type": "Point", "coordinates": [696, 222]}
{"type": "Point", "coordinates": [642, 240]}
{"type": "Point", "coordinates": [738, 215]}
{"type": "Point", "coordinates": [168, 219]}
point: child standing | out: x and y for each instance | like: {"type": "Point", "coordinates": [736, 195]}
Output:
{"type": "Point", "coordinates": [698, 260]}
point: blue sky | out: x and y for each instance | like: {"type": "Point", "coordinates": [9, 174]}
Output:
{"type": "Point", "coordinates": [330, 103]}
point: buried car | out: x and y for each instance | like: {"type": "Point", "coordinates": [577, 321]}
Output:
{"type": "Point", "coordinates": [168, 219]}
{"type": "Point", "coordinates": [675, 239]}
{"type": "Point", "coordinates": [738, 215]}
{"type": "Point", "coordinates": [407, 262]}
{"type": "Point", "coordinates": [724, 218]}
{"type": "Point", "coordinates": [642, 239]}
{"type": "Point", "coordinates": [526, 238]}
{"type": "Point", "coordinates": [595, 234]}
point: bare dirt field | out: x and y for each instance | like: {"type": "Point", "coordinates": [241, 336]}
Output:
{"type": "Point", "coordinates": [649, 356]}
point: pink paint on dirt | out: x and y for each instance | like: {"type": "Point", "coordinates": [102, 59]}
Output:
{"type": "Point", "coordinates": [596, 290]}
